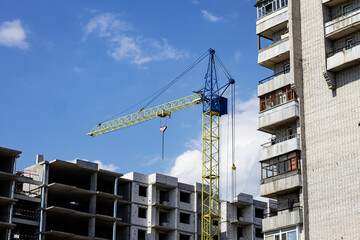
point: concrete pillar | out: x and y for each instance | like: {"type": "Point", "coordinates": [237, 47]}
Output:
{"type": "Point", "coordinates": [12, 189]}
{"type": "Point", "coordinates": [92, 208]}
{"type": "Point", "coordinates": [115, 207]}
{"type": "Point", "coordinates": [43, 204]}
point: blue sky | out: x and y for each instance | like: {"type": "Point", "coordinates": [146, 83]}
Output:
{"type": "Point", "coordinates": [65, 66]}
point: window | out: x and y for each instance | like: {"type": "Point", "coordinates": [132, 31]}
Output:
{"type": "Point", "coordinates": [142, 191]}
{"type": "Point", "coordinates": [258, 233]}
{"type": "Point", "coordinates": [268, 8]}
{"type": "Point", "coordinates": [239, 232]}
{"type": "Point", "coordinates": [185, 197]}
{"type": "Point", "coordinates": [185, 218]}
{"type": "Point", "coordinates": [276, 98]}
{"type": "Point", "coordinates": [347, 9]}
{"type": "Point", "coordinates": [239, 212]}
{"type": "Point", "coordinates": [142, 212]}
{"type": "Point", "coordinates": [259, 213]}
{"type": "Point", "coordinates": [141, 234]}
{"type": "Point", "coordinates": [284, 234]}
{"type": "Point", "coordinates": [349, 43]}
{"type": "Point", "coordinates": [287, 68]}
{"type": "Point", "coordinates": [184, 237]}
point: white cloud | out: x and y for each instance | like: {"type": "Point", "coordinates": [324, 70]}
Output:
{"type": "Point", "coordinates": [78, 69]}
{"type": "Point", "coordinates": [211, 17]}
{"type": "Point", "coordinates": [125, 45]}
{"type": "Point", "coordinates": [237, 56]}
{"type": "Point", "coordinates": [12, 34]}
{"type": "Point", "coordinates": [187, 166]}
{"type": "Point", "coordinates": [109, 167]}
{"type": "Point", "coordinates": [140, 50]}
{"type": "Point", "coordinates": [106, 25]}
{"type": "Point", "coordinates": [195, 2]}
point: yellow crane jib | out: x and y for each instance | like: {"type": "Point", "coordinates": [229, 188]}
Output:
{"type": "Point", "coordinates": [162, 110]}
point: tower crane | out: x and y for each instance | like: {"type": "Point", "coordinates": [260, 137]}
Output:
{"type": "Point", "coordinates": [214, 105]}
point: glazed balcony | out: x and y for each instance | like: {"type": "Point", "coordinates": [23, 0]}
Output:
{"type": "Point", "coordinates": [279, 147]}
{"type": "Point", "coordinates": [274, 53]}
{"type": "Point", "coordinates": [272, 83]}
{"type": "Point", "coordinates": [344, 57]}
{"type": "Point", "coordinates": [343, 25]}
{"type": "Point", "coordinates": [274, 117]}
{"type": "Point", "coordinates": [269, 24]}
{"type": "Point", "coordinates": [331, 3]}
{"type": "Point", "coordinates": [284, 219]}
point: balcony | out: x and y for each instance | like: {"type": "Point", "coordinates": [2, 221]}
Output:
{"type": "Point", "coordinates": [269, 24]}
{"type": "Point", "coordinates": [273, 118]}
{"type": "Point", "coordinates": [272, 83]}
{"type": "Point", "coordinates": [284, 219]}
{"type": "Point", "coordinates": [274, 53]}
{"type": "Point", "coordinates": [281, 184]}
{"type": "Point", "coordinates": [331, 3]}
{"type": "Point", "coordinates": [343, 25]}
{"type": "Point", "coordinates": [343, 58]}
{"type": "Point", "coordinates": [279, 147]}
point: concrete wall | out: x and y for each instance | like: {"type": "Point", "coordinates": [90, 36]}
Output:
{"type": "Point", "coordinates": [332, 137]}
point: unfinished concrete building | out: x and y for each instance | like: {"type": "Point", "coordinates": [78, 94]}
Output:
{"type": "Point", "coordinates": [77, 200]}
{"type": "Point", "coordinates": [241, 218]}
{"type": "Point", "coordinates": [310, 103]}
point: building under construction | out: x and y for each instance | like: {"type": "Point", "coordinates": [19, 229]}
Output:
{"type": "Point", "coordinates": [77, 200]}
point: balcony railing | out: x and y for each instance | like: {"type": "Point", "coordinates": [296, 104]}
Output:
{"type": "Point", "coordinates": [344, 14]}
{"type": "Point", "coordinates": [278, 140]}
{"type": "Point", "coordinates": [280, 165]}
{"type": "Point", "coordinates": [273, 76]}
{"type": "Point", "coordinates": [344, 48]}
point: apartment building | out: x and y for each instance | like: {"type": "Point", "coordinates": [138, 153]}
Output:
{"type": "Point", "coordinates": [57, 199]}
{"type": "Point", "coordinates": [310, 106]}
{"type": "Point", "coordinates": [241, 218]}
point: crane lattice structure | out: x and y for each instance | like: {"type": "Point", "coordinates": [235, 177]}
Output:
{"type": "Point", "coordinates": [214, 106]}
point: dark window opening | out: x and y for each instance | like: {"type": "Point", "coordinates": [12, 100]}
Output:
{"type": "Point", "coordinates": [239, 232]}
{"type": "Point", "coordinates": [259, 213]}
{"type": "Point", "coordinates": [142, 212]}
{"type": "Point", "coordinates": [142, 191]}
{"type": "Point", "coordinates": [164, 196]}
{"type": "Point", "coordinates": [259, 234]}
{"type": "Point", "coordinates": [239, 212]}
{"type": "Point", "coordinates": [184, 237]}
{"type": "Point", "coordinates": [185, 218]}
{"type": "Point", "coordinates": [268, 8]}
{"type": "Point", "coordinates": [349, 43]}
{"type": "Point", "coordinates": [163, 236]}
{"type": "Point", "coordinates": [141, 234]}
{"type": "Point", "coordinates": [287, 68]}
{"type": "Point", "coordinates": [347, 9]}
{"type": "Point", "coordinates": [185, 197]}
{"type": "Point", "coordinates": [163, 217]}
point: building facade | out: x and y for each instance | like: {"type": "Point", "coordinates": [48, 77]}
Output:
{"type": "Point", "coordinates": [57, 199]}
{"type": "Point", "coordinates": [311, 107]}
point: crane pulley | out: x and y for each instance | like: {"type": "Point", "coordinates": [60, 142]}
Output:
{"type": "Point", "coordinates": [214, 106]}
